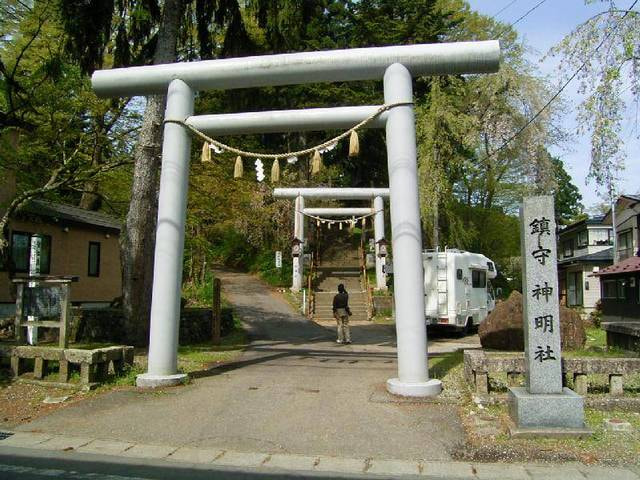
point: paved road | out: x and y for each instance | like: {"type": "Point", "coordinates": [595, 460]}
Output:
{"type": "Point", "coordinates": [293, 391]}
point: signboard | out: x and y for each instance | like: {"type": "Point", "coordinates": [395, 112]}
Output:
{"type": "Point", "coordinates": [278, 259]}
{"type": "Point", "coordinates": [387, 268]}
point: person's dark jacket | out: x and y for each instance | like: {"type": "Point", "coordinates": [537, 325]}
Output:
{"type": "Point", "coordinates": [341, 300]}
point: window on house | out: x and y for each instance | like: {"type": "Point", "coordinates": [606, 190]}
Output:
{"type": "Point", "coordinates": [478, 279]}
{"type": "Point", "coordinates": [600, 236]}
{"type": "Point", "coordinates": [609, 289]}
{"type": "Point", "coordinates": [622, 283]}
{"type": "Point", "coordinates": [574, 289]}
{"type": "Point", "coordinates": [94, 259]}
{"type": "Point", "coordinates": [21, 246]}
{"type": "Point", "coordinates": [567, 248]}
{"type": "Point", "coordinates": [583, 239]}
{"type": "Point", "coordinates": [625, 244]}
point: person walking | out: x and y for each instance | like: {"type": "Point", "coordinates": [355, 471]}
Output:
{"type": "Point", "coordinates": [341, 312]}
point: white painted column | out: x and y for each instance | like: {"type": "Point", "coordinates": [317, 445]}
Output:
{"type": "Point", "coordinates": [298, 232]}
{"type": "Point", "coordinates": [167, 274]}
{"type": "Point", "coordinates": [378, 233]}
{"type": "Point", "coordinates": [413, 374]}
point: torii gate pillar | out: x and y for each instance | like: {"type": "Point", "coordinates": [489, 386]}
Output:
{"type": "Point", "coordinates": [298, 232]}
{"type": "Point", "coordinates": [167, 269]}
{"type": "Point", "coordinates": [411, 329]}
{"type": "Point", "coordinates": [378, 234]}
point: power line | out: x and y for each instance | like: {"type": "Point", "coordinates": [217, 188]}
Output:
{"type": "Point", "coordinates": [564, 85]}
{"type": "Point", "coordinates": [528, 12]}
{"type": "Point", "coordinates": [504, 8]}
{"type": "Point", "coordinates": [522, 17]}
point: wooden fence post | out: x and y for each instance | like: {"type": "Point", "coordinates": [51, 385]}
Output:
{"type": "Point", "coordinates": [216, 312]}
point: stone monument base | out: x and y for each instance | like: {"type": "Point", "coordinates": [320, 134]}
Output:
{"type": "Point", "coordinates": [547, 414]}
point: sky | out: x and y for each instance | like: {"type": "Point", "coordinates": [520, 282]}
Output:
{"type": "Point", "coordinates": [542, 29]}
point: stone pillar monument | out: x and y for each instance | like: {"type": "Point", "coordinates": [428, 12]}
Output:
{"type": "Point", "coordinates": [543, 407]}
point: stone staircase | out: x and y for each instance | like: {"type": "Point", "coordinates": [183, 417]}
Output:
{"type": "Point", "coordinates": [339, 266]}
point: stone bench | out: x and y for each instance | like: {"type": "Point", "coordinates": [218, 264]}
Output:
{"type": "Point", "coordinates": [479, 365]}
{"type": "Point", "coordinates": [94, 364]}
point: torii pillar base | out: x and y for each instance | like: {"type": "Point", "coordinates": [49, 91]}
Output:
{"type": "Point", "coordinates": [147, 380]}
{"type": "Point", "coordinates": [430, 388]}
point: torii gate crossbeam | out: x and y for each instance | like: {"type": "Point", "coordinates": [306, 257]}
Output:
{"type": "Point", "coordinates": [397, 65]}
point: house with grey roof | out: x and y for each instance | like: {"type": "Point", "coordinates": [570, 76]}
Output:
{"type": "Point", "coordinates": [584, 247]}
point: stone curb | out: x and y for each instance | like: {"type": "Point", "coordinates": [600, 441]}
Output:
{"type": "Point", "coordinates": [318, 463]}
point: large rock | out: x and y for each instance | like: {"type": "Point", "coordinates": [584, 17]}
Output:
{"type": "Point", "coordinates": [502, 330]}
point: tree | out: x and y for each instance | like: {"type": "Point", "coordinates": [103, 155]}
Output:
{"type": "Point", "coordinates": [47, 109]}
{"type": "Point", "coordinates": [604, 54]}
{"type": "Point", "coordinates": [567, 195]}
{"type": "Point", "coordinates": [148, 31]}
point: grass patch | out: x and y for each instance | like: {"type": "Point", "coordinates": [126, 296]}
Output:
{"type": "Point", "coordinates": [384, 317]}
{"type": "Point", "coordinates": [602, 447]}
{"type": "Point", "coordinates": [596, 346]}
{"type": "Point", "coordinates": [440, 366]}
{"type": "Point", "coordinates": [192, 358]}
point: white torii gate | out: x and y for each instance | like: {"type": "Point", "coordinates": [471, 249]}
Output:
{"type": "Point", "coordinates": [396, 65]}
{"type": "Point", "coordinates": [377, 209]}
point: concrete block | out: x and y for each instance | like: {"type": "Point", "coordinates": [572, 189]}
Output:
{"type": "Point", "coordinates": [39, 367]}
{"type": "Point", "coordinates": [87, 373]}
{"type": "Point", "coordinates": [149, 451]}
{"type": "Point", "coordinates": [482, 382]}
{"type": "Point", "coordinates": [556, 471]}
{"type": "Point", "coordinates": [17, 365]}
{"type": "Point", "coordinates": [63, 371]}
{"type": "Point", "coordinates": [610, 473]}
{"type": "Point", "coordinates": [580, 383]}
{"type": "Point", "coordinates": [25, 439]}
{"type": "Point", "coordinates": [343, 465]}
{"type": "Point", "coordinates": [393, 467]}
{"type": "Point", "coordinates": [615, 385]}
{"type": "Point", "coordinates": [448, 470]}
{"type": "Point", "coordinates": [240, 459]}
{"type": "Point", "coordinates": [195, 455]}
{"type": "Point", "coordinates": [105, 447]}
{"type": "Point", "coordinates": [487, 471]}
{"type": "Point", "coordinates": [616, 425]}
{"type": "Point", "coordinates": [63, 442]}
{"type": "Point", "coordinates": [291, 462]}
{"type": "Point", "coordinates": [563, 410]}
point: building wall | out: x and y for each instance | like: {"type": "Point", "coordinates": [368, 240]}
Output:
{"type": "Point", "coordinates": [627, 220]}
{"type": "Point", "coordinates": [628, 308]}
{"type": "Point", "coordinates": [578, 251]}
{"type": "Point", "coordinates": [592, 295]}
{"type": "Point", "coordinates": [70, 256]}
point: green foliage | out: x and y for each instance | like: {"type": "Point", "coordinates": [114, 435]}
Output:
{"type": "Point", "coordinates": [567, 195]}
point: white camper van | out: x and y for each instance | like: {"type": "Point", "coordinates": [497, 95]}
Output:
{"type": "Point", "coordinates": [458, 292]}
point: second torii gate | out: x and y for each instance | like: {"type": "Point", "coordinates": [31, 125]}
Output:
{"type": "Point", "coordinates": [377, 195]}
